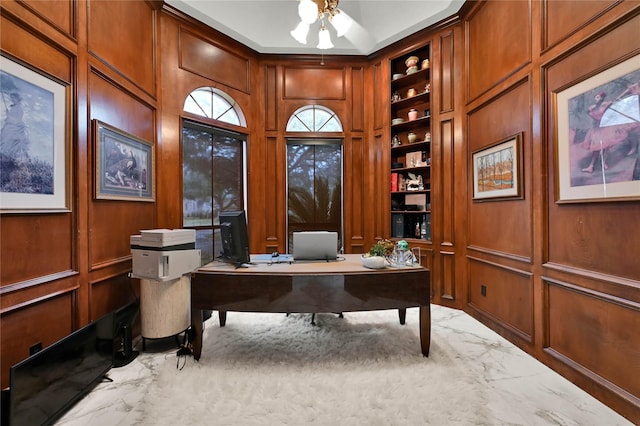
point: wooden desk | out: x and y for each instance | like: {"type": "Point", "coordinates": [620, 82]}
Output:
{"type": "Point", "coordinates": [309, 287]}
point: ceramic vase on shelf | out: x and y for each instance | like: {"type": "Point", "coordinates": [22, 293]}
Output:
{"type": "Point", "coordinates": [411, 92]}
{"type": "Point", "coordinates": [425, 64]}
{"type": "Point", "coordinates": [413, 114]}
{"type": "Point", "coordinates": [411, 137]}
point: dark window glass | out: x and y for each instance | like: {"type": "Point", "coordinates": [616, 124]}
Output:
{"type": "Point", "coordinates": [213, 179]}
{"type": "Point", "coordinates": [314, 181]}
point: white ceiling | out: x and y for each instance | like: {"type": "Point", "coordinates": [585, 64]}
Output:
{"type": "Point", "coordinates": [264, 25]}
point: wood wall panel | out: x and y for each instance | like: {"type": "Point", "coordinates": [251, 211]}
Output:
{"type": "Point", "coordinates": [447, 290]}
{"type": "Point", "coordinates": [112, 222]}
{"type": "Point", "coordinates": [207, 59]}
{"type": "Point", "coordinates": [37, 236]}
{"type": "Point", "coordinates": [357, 99]}
{"type": "Point", "coordinates": [271, 98]}
{"type": "Point", "coordinates": [578, 236]}
{"type": "Point", "coordinates": [272, 218]}
{"type": "Point", "coordinates": [112, 292]}
{"type": "Point", "coordinates": [381, 187]}
{"type": "Point", "coordinates": [44, 321]}
{"type": "Point", "coordinates": [446, 196]}
{"type": "Point", "coordinates": [610, 325]}
{"type": "Point", "coordinates": [562, 18]}
{"type": "Point", "coordinates": [122, 35]}
{"type": "Point", "coordinates": [354, 187]}
{"type": "Point", "coordinates": [60, 14]}
{"type": "Point", "coordinates": [380, 98]}
{"type": "Point", "coordinates": [314, 83]}
{"type": "Point", "coordinates": [502, 226]}
{"type": "Point", "coordinates": [25, 238]}
{"type": "Point", "coordinates": [446, 84]}
{"type": "Point", "coordinates": [42, 54]}
{"type": "Point", "coordinates": [508, 296]}
{"type": "Point", "coordinates": [497, 51]}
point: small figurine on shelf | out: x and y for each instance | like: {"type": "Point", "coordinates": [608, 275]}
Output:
{"type": "Point", "coordinates": [412, 64]}
{"type": "Point", "coordinates": [415, 182]}
{"type": "Point", "coordinates": [427, 137]}
{"type": "Point", "coordinates": [395, 97]}
{"type": "Point", "coordinates": [427, 88]}
{"type": "Point", "coordinates": [425, 64]}
{"type": "Point", "coordinates": [427, 113]}
{"type": "Point", "coordinates": [396, 141]}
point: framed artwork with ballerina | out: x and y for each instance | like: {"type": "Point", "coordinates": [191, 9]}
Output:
{"type": "Point", "coordinates": [597, 136]}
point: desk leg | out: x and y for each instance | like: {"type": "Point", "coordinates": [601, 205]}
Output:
{"type": "Point", "coordinates": [425, 329]}
{"type": "Point", "coordinates": [402, 314]}
{"type": "Point", "coordinates": [222, 316]}
{"type": "Point", "coordinates": [196, 323]}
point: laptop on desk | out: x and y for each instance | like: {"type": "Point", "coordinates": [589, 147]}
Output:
{"type": "Point", "coordinates": [315, 245]}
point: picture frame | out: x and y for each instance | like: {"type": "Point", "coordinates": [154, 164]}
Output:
{"type": "Point", "coordinates": [497, 170]}
{"type": "Point", "coordinates": [35, 141]}
{"type": "Point", "coordinates": [124, 165]}
{"type": "Point", "coordinates": [597, 136]}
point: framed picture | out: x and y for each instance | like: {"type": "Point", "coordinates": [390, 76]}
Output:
{"type": "Point", "coordinates": [35, 165]}
{"type": "Point", "coordinates": [497, 170]}
{"type": "Point", "coordinates": [125, 165]}
{"type": "Point", "coordinates": [598, 131]}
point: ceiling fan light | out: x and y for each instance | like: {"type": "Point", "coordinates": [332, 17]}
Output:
{"type": "Point", "coordinates": [324, 39]}
{"type": "Point", "coordinates": [300, 32]}
{"type": "Point", "coordinates": [341, 22]}
{"type": "Point", "coordinates": [308, 11]}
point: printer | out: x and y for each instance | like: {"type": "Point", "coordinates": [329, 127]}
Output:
{"type": "Point", "coordinates": [164, 254]}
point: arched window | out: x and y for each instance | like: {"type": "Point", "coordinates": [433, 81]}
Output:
{"type": "Point", "coordinates": [314, 173]}
{"type": "Point", "coordinates": [213, 166]}
{"type": "Point", "coordinates": [213, 103]}
{"type": "Point", "coordinates": [314, 118]}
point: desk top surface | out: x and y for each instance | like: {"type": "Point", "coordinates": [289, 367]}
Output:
{"type": "Point", "coordinates": [346, 264]}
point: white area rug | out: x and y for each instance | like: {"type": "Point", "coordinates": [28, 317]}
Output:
{"type": "Point", "coordinates": [268, 369]}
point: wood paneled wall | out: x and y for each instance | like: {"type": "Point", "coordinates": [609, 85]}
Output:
{"type": "Point", "coordinates": [560, 280]}
{"type": "Point", "coordinates": [61, 270]}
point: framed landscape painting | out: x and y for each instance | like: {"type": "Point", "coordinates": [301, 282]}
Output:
{"type": "Point", "coordinates": [35, 166]}
{"type": "Point", "coordinates": [598, 132]}
{"type": "Point", "coordinates": [497, 170]}
{"type": "Point", "coordinates": [125, 165]}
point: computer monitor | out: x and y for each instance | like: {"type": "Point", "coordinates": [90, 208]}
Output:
{"type": "Point", "coordinates": [235, 238]}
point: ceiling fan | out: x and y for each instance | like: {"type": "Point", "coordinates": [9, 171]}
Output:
{"type": "Point", "coordinates": [311, 11]}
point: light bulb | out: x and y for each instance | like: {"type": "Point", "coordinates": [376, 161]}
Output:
{"type": "Point", "coordinates": [324, 39]}
{"type": "Point", "coordinates": [300, 33]}
{"type": "Point", "coordinates": [308, 11]}
{"type": "Point", "coordinates": [341, 22]}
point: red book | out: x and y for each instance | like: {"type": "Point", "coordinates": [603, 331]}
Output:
{"type": "Point", "coordinates": [394, 182]}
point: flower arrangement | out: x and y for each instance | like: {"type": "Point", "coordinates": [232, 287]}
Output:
{"type": "Point", "coordinates": [382, 248]}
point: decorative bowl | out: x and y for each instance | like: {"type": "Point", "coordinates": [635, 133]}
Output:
{"type": "Point", "coordinates": [373, 262]}
{"type": "Point", "coordinates": [397, 76]}
{"type": "Point", "coordinates": [397, 121]}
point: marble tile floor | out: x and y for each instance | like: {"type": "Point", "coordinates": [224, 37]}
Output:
{"type": "Point", "coordinates": [522, 391]}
